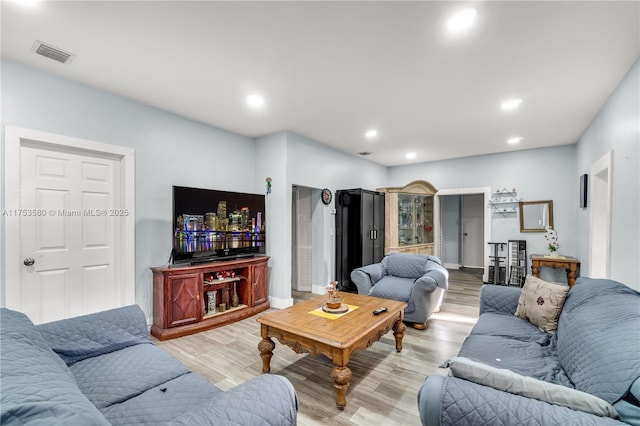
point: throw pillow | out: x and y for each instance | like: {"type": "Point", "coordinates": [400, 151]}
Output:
{"type": "Point", "coordinates": [541, 303]}
{"type": "Point", "coordinates": [509, 381]}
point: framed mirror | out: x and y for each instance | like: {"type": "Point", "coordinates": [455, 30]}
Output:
{"type": "Point", "coordinates": [535, 216]}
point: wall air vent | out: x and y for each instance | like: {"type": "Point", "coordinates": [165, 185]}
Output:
{"type": "Point", "coordinates": [52, 52]}
{"type": "Point", "coordinates": [364, 153]}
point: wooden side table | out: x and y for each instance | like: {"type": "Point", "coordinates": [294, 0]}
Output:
{"type": "Point", "coordinates": [569, 263]}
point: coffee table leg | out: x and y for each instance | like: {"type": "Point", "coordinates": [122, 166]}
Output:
{"type": "Point", "coordinates": [341, 378]}
{"type": "Point", "coordinates": [265, 347]}
{"type": "Point", "coordinates": [398, 333]}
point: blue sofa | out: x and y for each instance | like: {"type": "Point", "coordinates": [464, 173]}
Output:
{"type": "Point", "coordinates": [419, 280]}
{"type": "Point", "coordinates": [100, 369]}
{"type": "Point", "coordinates": [511, 372]}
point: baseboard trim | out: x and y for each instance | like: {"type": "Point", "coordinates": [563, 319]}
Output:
{"type": "Point", "coordinates": [279, 303]}
{"type": "Point", "coordinates": [318, 289]}
{"type": "Point", "coordinates": [452, 266]}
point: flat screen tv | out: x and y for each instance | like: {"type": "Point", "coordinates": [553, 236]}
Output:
{"type": "Point", "coordinates": [210, 225]}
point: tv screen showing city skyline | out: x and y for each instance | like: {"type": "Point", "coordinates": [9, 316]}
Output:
{"type": "Point", "coordinates": [207, 220]}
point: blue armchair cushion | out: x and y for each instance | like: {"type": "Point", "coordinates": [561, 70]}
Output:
{"type": "Point", "coordinates": [395, 288]}
{"type": "Point", "coordinates": [405, 265]}
{"type": "Point", "coordinates": [375, 271]}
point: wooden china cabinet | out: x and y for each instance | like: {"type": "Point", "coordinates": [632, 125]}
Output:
{"type": "Point", "coordinates": [409, 225]}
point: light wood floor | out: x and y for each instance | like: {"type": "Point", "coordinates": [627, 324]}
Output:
{"type": "Point", "coordinates": [385, 383]}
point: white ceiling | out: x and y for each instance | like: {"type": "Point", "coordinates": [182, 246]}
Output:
{"type": "Point", "coordinates": [332, 70]}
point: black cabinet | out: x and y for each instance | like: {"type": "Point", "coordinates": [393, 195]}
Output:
{"type": "Point", "coordinates": [359, 232]}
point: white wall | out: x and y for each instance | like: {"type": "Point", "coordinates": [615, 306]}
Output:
{"type": "Point", "coordinates": [170, 150]}
{"type": "Point", "coordinates": [617, 127]}
{"type": "Point", "coordinates": [271, 150]}
{"type": "Point", "coordinates": [317, 166]}
{"type": "Point", "coordinates": [292, 159]}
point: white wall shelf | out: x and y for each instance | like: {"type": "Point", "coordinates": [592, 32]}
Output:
{"type": "Point", "coordinates": [504, 201]}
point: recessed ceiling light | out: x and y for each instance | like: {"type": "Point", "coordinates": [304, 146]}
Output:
{"type": "Point", "coordinates": [462, 20]}
{"type": "Point", "coordinates": [411, 155]}
{"type": "Point", "coordinates": [255, 101]}
{"type": "Point", "coordinates": [371, 133]}
{"type": "Point", "coordinates": [511, 104]}
{"type": "Point", "coordinates": [515, 140]}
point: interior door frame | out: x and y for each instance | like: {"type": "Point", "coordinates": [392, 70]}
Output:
{"type": "Point", "coordinates": [486, 191]}
{"type": "Point", "coordinates": [14, 137]}
{"type": "Point", "coordinates": [601, 201]}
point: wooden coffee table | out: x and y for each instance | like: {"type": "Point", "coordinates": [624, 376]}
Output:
{"type": "Point", "coordinates": [305, 329]}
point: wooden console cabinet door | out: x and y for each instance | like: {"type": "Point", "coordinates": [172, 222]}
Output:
{"type": "Point", "coordinates": [259, 283]}
{"type": "Point", "coordinates": [184, 302]}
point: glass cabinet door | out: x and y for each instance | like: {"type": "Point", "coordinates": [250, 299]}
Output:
{"type": "Point", "coordinates": [415, 219]}
{"type": "Point", "coordinates": [405, 220]}
{"type": "Point", "coordinates": [427, 214]}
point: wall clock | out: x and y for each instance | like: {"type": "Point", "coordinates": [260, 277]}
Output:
{"type": "Point", "coordinates": [326, 196]}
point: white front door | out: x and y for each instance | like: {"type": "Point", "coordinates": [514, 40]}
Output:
{"type": "Point", "coordinates": [67, 229]}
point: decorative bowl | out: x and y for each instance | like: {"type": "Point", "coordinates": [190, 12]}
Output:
{"type": "Point", "coordinates": [334, 304]}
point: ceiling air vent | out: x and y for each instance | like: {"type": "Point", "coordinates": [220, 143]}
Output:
{"type": "Point", "coordinates": [52, 52]}
{"type": "Point", "coordinates": [364, 153]}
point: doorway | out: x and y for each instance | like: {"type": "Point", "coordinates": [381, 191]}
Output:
{"type": "Point", "coordinates": [312, 241]}
{"type": "Point", "coordinates": [600, 218]}
{"type": "Point", "coordinates": [301, 238]}
{"type": "Point", "coordinates": [463, 230]}
{"type": "Point", "coordinates": [472, 230]}
{"type": "Point", "coordinates": [72, 251]}
{"type": "Point", "coordinates": [458, 212]}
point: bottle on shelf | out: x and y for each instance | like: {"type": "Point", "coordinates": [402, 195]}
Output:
{"type": "Point", "coordinates": [235, 300]}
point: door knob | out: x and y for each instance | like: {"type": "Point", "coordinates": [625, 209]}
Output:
{"type": "Point", "coordinates": [29, 261]}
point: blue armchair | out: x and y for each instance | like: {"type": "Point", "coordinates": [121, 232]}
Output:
{"type": "Point", "coordinates": [419, 280]}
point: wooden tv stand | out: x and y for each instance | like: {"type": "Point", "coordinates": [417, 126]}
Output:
{"type": "Point", "coordinates": [179, 295]}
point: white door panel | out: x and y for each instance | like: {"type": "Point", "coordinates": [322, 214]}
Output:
{"type": "Point", "coordinates": [71, 216]}
{"type": "Point", "coordinates": [473, 230]}
{"type": "Point", "coordinates": [71, 238]}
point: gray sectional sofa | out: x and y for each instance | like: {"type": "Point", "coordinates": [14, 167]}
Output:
{"type": "Point", "coordinates": [510, 372]}
{"type": "Point", "coordinates": [419, 280]}
{"type": "Point", "coordinates": [100, 369]}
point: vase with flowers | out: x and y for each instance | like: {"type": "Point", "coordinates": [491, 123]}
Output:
{"type": "Point", "coordinates": [552, 242]}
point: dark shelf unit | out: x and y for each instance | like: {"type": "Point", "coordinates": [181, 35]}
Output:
{"type": "Point", "coordinates": [497, 266]}
{"type": "Point", "coordinates": [359, 232]}
{"type": "Point", "coordinates": [517, 261]}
